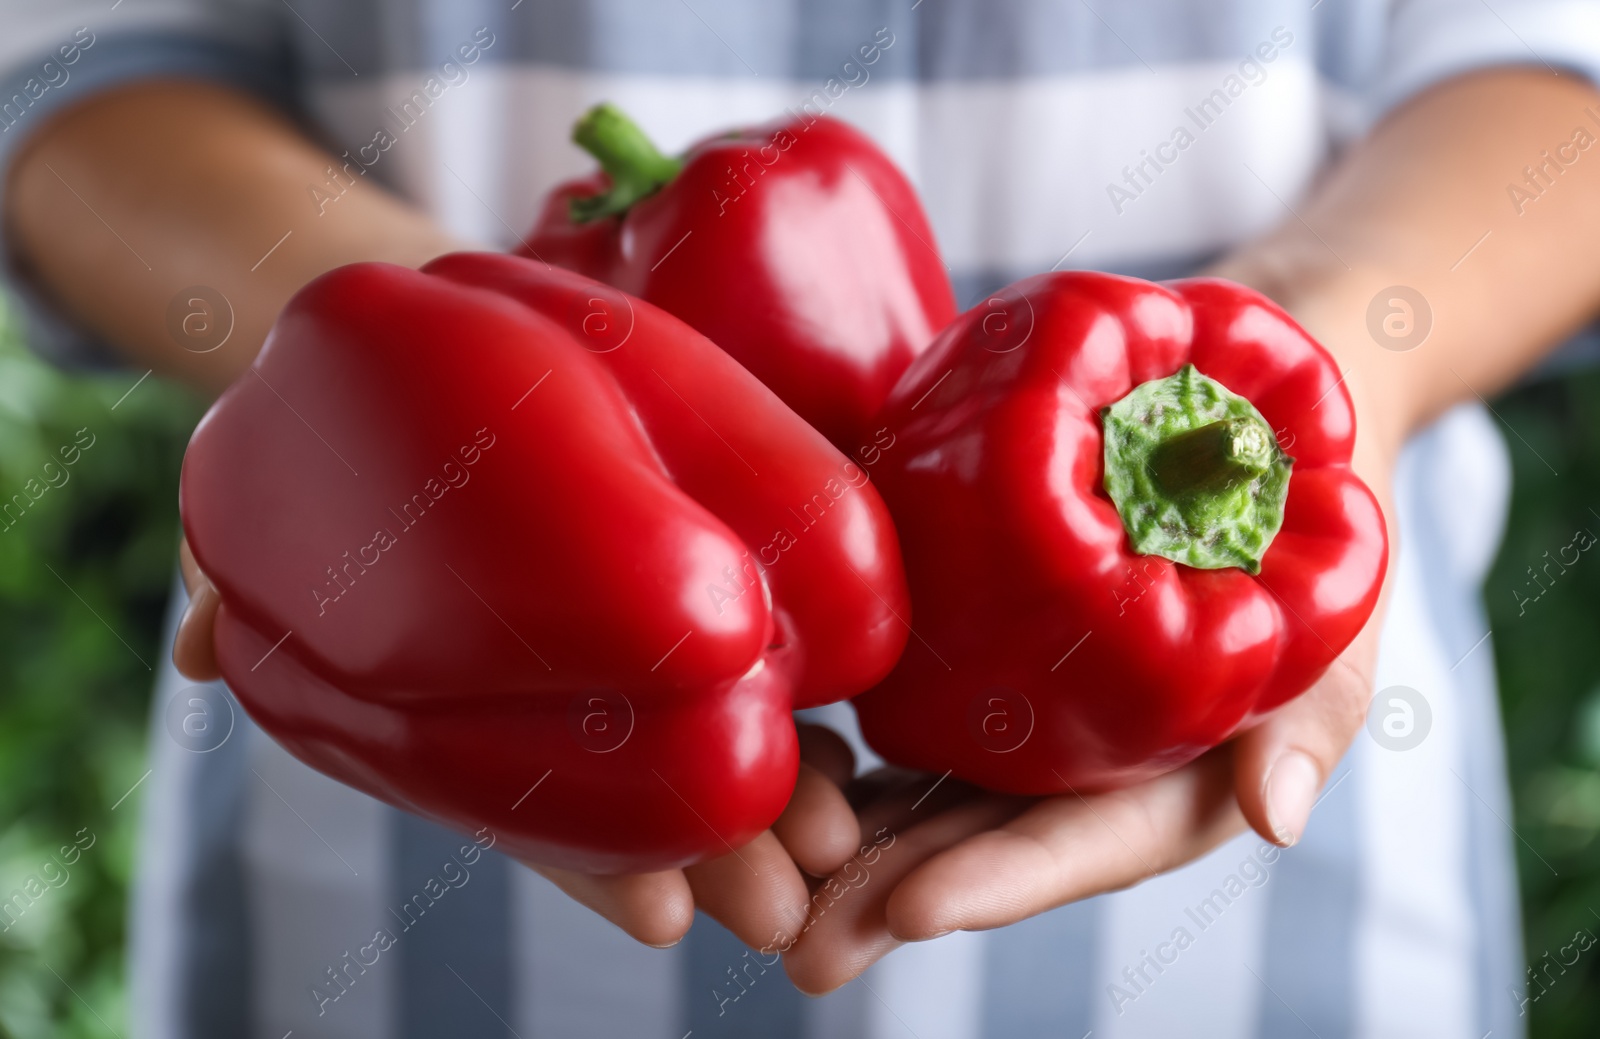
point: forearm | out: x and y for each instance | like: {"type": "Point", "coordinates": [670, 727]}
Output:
{"type": "Point", "coordinates": [121, 203]}
{"type": "Point", "coordinates": [1410, 206]}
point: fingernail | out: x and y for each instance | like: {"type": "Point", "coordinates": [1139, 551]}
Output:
{"type": "Point", "coordinates": [921, 937]}
{"type": "Point", "coordinates": [1292, 785]}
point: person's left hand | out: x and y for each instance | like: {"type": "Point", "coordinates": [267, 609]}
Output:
{"type": "Point", "coordinates": [968, 860]}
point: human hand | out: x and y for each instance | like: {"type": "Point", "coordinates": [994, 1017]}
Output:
{"type": "Point", "coordinates": [969, 860]}
{"type": "Point", "coordinates": [755, 892]}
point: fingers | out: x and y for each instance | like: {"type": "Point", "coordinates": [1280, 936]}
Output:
{"type": "Point", "coordinates": [756, 892]}
{"type": "Point", "coordinates": [818, 828]}
{"type": "Point", "coordinates": [653, 908]}
{"type": "Point", "coordinates": [1066, 848]}
{"type": "Point", "coordinates": [193, 650]}
{"type": "Point", "coordinates": [828, 753]}
{"type": "Point", "coordinates": [845, 930]}
{"type": "Point", "coordinates": [1282, 764]}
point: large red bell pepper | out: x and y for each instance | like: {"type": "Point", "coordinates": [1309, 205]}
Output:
{"type": "Point", "coordinates": [798, 247]}
{"type": "Point", "coordinates": [501, 546]}
{"type": "Point", "coordinates": [1114, 563]}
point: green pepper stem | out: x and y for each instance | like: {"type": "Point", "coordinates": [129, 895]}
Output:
{"type": "Point", "coordinates": [1195, 472]}
{"type": "Point", "coordinates": [636, 168]}
{"type": "Point", "coordinates": [1212, 459]}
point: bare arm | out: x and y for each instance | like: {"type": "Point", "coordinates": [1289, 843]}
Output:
{"type": "Point", "coordinates": [1408, 205]}
{"type": "Point", "coordinates": [122, 202]}
{"type": "Point", "coordinates": [1402, 208]}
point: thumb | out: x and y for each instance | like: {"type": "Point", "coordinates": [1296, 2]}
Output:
{"type": "Point", "coordinates": [1281, 765]}
{"type": "Point", "coordinates": [193, 651]}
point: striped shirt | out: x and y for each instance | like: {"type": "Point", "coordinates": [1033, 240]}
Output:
{"type": "Point", "coordinates": [1142, 137]}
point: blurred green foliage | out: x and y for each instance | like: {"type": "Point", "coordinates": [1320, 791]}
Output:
{"type": "Point", "coordinates": [85, 571]}
{"type": "Point", "coordinates": [1544, 607]}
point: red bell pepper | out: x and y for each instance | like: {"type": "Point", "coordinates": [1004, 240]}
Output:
{"type": "Point", "coordinates": [798, 247]}
{"type": "Point", "coordinates": [501, 546]}
{"type": "Point", "coordinates": [1114, 563]}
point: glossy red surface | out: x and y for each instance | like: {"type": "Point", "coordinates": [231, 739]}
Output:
{"type": "Point", "coordinates": [493, 528]}
{"type": "Point", "coordinates": [798, 247]}
{"type": "Point", "coordinates": [1048, 655]}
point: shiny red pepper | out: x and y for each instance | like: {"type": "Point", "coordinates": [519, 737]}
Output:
{"type": "Point", "coordinates": [798, 247]}
{"type": "Point", "coordinates": [504, 547]}
{"type": "Point", "coordinates": [1114, 562]}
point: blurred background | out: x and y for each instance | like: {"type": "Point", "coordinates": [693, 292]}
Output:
{"type": "Point", "coordinates": [85, 574]}
{"type": "Point", "coordinates": [84, 578]}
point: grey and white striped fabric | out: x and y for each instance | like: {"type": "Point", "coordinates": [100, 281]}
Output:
{"type": "Point", "coordinates": [1041, 135]}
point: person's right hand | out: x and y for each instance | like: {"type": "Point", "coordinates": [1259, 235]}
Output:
{"type": "Point", "coordinates": [758, 892]}
{"type": "Point", "coordinates": [193, 653]}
